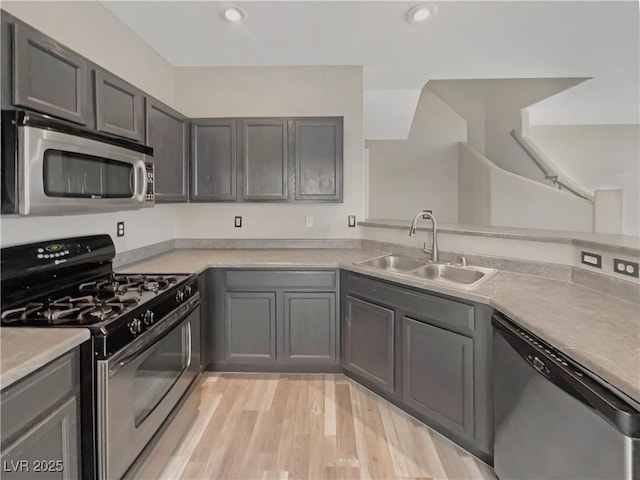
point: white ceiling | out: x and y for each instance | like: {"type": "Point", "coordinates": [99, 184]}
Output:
{"type": "Point", "coordinates": [465, 40]}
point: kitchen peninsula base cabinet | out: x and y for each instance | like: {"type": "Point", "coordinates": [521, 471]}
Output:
{"type": "Point", "coordinates": [428, 354]}
{"type": "Point", "coordinates": [273, 320]}
{"type": "Point", "coordinates": [41, 423]}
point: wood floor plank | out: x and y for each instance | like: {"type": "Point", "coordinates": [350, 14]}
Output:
{"type": "Point", "coordinates": [329, 405]}
{"type": "Point", "coordinates": [303, 426]}
{"type": "Point", "coordinates": [345, 434]}
{"type": "Point", "coordinates": [360, 432]}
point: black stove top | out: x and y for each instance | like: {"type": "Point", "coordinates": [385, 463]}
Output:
{"type": "Point", "coordinates": [76, 287]}
{"type": "Point", "coordinates": [90, 303]}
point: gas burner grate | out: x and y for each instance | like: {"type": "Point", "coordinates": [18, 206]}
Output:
{"type": "Point", "coordinates": [120, 283]}
{"type": "Point", "coordinates": [68, 310]}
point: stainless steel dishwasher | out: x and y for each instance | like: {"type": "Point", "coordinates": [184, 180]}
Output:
{"type": "Point", "coordinates": [551, 419]}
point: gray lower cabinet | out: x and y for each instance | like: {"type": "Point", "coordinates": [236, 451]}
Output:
{"type": "Point", "coordinates": [437, 367]}
{"type": "Point", "coordinates": [119, 106]}
{"type": "Point", "coordinates": [40, 423]}
{"type": "Point", "coordinates": [272, 320]}
{"type": "Point", "coordinates": [429, 354]}
{"type": "Point", "coordinates": [250, 325]}
{"type": "Point", "coordinates": [48, 77]}
{"type": "Point", "coordinates": [369, 342]}
{"type": "Point", "coordinates": [265, 159]}
{"type": "Point", "coordinates": [309, 327]}
{"type": "Point", "coordinates": [213, 160]}
{"type": "Point", "coordinates": [167, 133]}
{"type": "Point", "coordinates": [318, 150]}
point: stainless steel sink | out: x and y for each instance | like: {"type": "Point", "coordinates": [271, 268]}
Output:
{"type": "Point", "coordinates": [461, 276]}
{"type": "Point", "coordinates": [393, 263]}
{"type": "Point", "coordinates": [467, 276]}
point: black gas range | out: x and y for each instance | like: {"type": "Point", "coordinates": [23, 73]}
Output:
{"type": "Point", "coordinates": [144, 351]}
{"type": "Point", "coordinates": [70, 283]}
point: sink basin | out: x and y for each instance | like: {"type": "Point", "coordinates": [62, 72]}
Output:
{"type": "Point", "coordinates": [393, 263]}
{"type": "Point", "coordinates": [467, 276]}
{"type": "Point", "coordinates": [462, 277]}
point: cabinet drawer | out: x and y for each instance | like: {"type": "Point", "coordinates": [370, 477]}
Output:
{"type": "Point", "coordinates": [450, 314]}
{"type": "Point", "coordinates": [273, 280]}
{"type": "Point", "coordinates": [24, 401]}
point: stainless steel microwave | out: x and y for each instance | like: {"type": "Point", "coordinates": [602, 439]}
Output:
{"type": "Point", "coordinates": [50, 167]}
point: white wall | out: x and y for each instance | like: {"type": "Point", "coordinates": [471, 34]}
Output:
{"type": "Point", "coordinates": [142, 227]}
{"type": "Point", "coordinates": [492, 109]}
{"type": "Point", "coordinates": [422, 171]}
{"type": "Point", "coordinates": [599, 157]}
{"type": "Point", "coordinates": [92, 30]}
{"type": "Point", "coordinates": [277, 91]}
{"type": "Point", "coordinates": [511, 200]}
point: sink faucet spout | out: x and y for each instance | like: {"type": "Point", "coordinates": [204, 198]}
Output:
{"type": "Point", "coordinates": [427, 215]}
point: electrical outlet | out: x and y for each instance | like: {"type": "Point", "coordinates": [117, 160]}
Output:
{"type": "Point", "coordinates": [308, 222]}
{"type": "Point", "coordinates": [352, 220]}
{"type": "Point", "coordinates": [238, 222]}
{"type": "Point", "coordinates": [591, 259]}
{"type": "Point", "coordinates": [120, 229]}
{"type": "Point", "coordinates": [625, 267]}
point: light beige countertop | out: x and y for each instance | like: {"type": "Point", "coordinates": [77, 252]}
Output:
{"type": "Point", "coordinates": [24, 350]}
{"type": "Point", "coordinates": [600, 332]}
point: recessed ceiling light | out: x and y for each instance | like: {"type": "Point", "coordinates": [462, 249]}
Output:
{"type": "Point", "coordinates": [234, 14]}
{"type": "Point", "coordinates": [421, 13]}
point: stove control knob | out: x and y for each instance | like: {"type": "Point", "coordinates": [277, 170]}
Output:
{"type": "Point", "coordinates": [187, 291]}
{"type": "Point", "coordinates": [179, 296]}
{"type": "Point", "coordinates": [148, 317]}
{"type": "Point", "coordinates": [135, 326]}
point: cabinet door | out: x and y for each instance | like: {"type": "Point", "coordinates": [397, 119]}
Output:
{"type": "Point", "coordinates": [167, 135]}
{"type": "Point", "coordinates": [213, 160]}
{"type": "Point", "coordinates": [318, 159]}
{"type": "Point", "coordinates": [119, 106]}
{"type": "Point", "coordinates": [48, 77]}
{"type": "Point", "coordinates": [50, 446]}
{"type": "Point", "coordinates": [309, 328]}
{"type": "Point", "coordinates": [250, 324]}
{"type": "Point", "coordinates": [265, 160]}
{"type": "Point", "coordinates": [369, 342]}
{"type": "Point", "coordinates": [437, 370]}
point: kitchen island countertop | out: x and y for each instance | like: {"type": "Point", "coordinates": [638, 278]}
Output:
{"type": "Point", "coordinates": [24, 350]}
{"type": "Point", "coordinates": [600, 332]}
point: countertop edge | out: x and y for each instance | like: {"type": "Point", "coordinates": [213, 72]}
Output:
{"type": "Point", "coordinates": [35, 362]}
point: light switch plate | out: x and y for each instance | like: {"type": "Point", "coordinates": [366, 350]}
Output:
{"type": "Point", "coordinates": [238, 222]}
{"type": "Point", "coordinates": [308, 222]}
{"type": "Point", "coordinates": [591, 259]}
{"type": "Point", "coordinates": [120, 229]}
{"type": "Point", "coordinates": [352, 221]}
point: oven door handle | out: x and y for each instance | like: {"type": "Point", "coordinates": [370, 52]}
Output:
{"type": "Point", "coordinates": [135, 349]}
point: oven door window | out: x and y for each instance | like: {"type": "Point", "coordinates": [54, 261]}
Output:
{"type": "Point", "coordinates": [76, 175]}
{"type": "Point", "coordinates": [164, 363]}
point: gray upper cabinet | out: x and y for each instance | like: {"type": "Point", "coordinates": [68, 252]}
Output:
{"type": "Point", "coordinates": [369, 342]}
{"type": "Point", "coordinates": [265, 164]}
{"type": "Point", "coordinates": [437, 368]}
{"type": "Point", "coordinates": [318, 155]}
{"type": "Point", "coordinates": [213, 160]}
{"type": "Point", "coordinates": [167, 132]}
{"type": "Point", "coordinates": [119, 106]}
{"type": "Point", "coordinates": [48, 77]}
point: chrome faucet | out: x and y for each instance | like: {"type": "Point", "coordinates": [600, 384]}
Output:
{"type": "Point", "coordinates": [427, 214]}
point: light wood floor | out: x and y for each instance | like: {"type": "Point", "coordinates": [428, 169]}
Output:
{"type": "Point", "coordinates": [285, 426]}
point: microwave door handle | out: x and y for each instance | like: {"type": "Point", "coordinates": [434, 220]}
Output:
{"type": "Point", "coordinates": [140, 181]}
